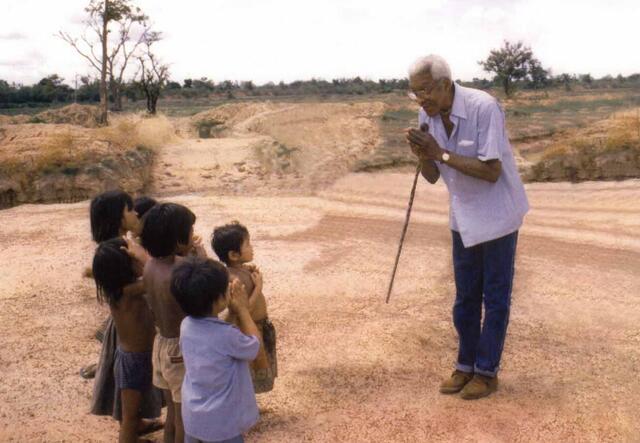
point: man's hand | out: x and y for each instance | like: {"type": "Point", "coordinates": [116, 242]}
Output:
{"type": "Point", "coordinates": [423, 145]}
{"type": "Point", "coordinates": [238, 299]}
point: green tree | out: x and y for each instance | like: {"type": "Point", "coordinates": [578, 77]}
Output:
{"type": "Point", "coordinates": [538, 76]}
{"type": "Point", "coordinates": [509, 63]}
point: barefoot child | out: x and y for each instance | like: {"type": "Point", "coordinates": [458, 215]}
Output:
{"type": "Point", "coordinates": [116, 276]}
{"type": "Point", "coordinates": [167, 233]}
{"type": "Point", "coordinates": [112, 215]}
{"type": "Point", "coordinates": [218, 402]}
{"type": "Point", "coordinates": [232, 245]}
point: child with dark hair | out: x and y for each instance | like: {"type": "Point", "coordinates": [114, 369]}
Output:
{"type": "Point", "coordinates": [142, 205]}
{"type": "Point", "coordinates": [232, 245]}
{"type": "Point", "coordinates": [218, 402]}
{"type": "Point", "coordinates": [116, 275]}
{"type": "Point", "coordinates": [167, 234]}
{"type": "Point", "coordinates": [112, 215]}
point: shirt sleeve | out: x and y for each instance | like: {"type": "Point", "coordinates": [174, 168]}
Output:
{"type": "Point", "coordinates": [490, 132]}
{"type": "Point", "coordinates": [241, 346]}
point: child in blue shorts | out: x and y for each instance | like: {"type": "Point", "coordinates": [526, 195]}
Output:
{"type": "Point", "coordinates": [116, 275]}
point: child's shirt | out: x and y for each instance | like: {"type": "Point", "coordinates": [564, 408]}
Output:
{"type": "Point", "coordinates": [218, 402]}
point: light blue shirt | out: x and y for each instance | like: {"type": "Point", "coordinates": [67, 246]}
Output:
{"type": "Point", "coordinates": [479, 210]}
{"type": "Point", "coordinates": [218, 402]}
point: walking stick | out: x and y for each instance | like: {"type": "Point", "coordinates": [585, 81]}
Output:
{"type": "Point", "coordinates": [425, 128]}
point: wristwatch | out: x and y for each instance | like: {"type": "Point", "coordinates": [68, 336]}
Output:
{"type": "Point", "coordinates": [445, 157]}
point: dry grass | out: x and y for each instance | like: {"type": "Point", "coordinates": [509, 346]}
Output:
{"type": "Point", "coordinates": [138, 130]}
{"type": "Point", "coordinates": [36, 149]}
{"type": "Point", "coordinates": [618, 133]}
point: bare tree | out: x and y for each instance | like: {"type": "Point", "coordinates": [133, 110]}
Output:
{"type": "Point", "coordinates": [110, 61]}
{"type": "Point", "coordinates": [153, 74]}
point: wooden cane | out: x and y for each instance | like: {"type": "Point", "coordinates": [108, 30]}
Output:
{"type": "Point", "coordinates": [424, 128]}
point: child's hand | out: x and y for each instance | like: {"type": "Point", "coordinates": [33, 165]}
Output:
{"type": "Point", "coordinates": [256, 276]}
{"type": "Point", "coordinates": [138, 255]}
{"type": "Point", "coordinates": [238, 299]}
{"type": "Point", "coordinates": [198, 247]}
{"type": "Point", "coordinates": [250, 267]}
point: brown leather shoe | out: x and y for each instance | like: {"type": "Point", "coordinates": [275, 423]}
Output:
{"type": "Point", "coordinates": [456, 382]}
{"type": "Point", "coordinates": [479, 386]}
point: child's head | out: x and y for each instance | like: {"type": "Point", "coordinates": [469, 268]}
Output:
{"type": "Point", "coordinates": [112, 270]}
{"type": "Point", "coordinates": [111, 215]}
{"type": "Point", "coordinates": [142, 205]}
{"type": "Point", "coordinates": [168, 230]}
{"type": "Point", "coordinates": [232, 243]}
{"type": "Point", "coordinates": [199, 286]}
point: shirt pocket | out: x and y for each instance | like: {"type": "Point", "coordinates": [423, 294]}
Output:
{"type": "Point", "coordinates": [467, 147]}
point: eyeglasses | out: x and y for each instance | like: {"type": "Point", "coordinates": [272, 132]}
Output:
{"type": "Point", "coordinates": [424, 93]}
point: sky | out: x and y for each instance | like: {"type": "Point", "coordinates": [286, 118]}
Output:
{"type": "Point", "coordinates": [287, 40]}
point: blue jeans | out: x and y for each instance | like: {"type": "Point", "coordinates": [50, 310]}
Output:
{"type": "Point", "coordinates": [483, 270]}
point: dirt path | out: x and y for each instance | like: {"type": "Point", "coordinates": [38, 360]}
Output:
{"type": "Point", "coordinates": [352, 368]}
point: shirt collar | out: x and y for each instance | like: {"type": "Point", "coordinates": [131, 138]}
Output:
{"type": "Point", "coordinates": [458, 108]}
{"type": "Point", "coordinates": [211, 319]}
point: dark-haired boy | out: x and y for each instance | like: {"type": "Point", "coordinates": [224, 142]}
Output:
{"type": "Point", "coordinates": [232, 245]}
{"type": "Point", "coordinates": [218, 402]}
{"type": "Point", "coordinates": [116, 276]}
{"type": "Point", "coordinates": [167, 234]}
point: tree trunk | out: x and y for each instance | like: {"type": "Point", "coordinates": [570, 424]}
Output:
{"type": "Point", "coordinates": [116, 95]}
{"type": "Point", "coordinates": [104, 102]}
{"type": "Point", "coordinates": [507, 86]}
{"type": "Point", "coordinates": [154, 104]}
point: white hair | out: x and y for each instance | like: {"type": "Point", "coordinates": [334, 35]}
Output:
{"type": "Point", "coordinates": [433, 64]}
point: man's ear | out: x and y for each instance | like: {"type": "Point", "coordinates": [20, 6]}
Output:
{"type": "Point", "coordinates": [234, 255]}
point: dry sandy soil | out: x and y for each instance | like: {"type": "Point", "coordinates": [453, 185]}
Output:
{"type": "Point", "coordinates": [351, 367]}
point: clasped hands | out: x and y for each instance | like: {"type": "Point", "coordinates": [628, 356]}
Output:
{"type": "Point", "coordinates": [423, 145]}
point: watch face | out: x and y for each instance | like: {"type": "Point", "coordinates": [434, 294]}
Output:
{"type": "Point", "coordinates": [445, 157]}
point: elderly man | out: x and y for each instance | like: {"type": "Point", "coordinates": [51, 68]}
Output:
{"type": "Point", "coordinates": [462, 138]}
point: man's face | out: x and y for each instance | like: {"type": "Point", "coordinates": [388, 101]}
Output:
{"type": "Point", "coordinates": [433, 96]}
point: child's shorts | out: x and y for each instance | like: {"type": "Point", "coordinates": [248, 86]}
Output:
{"type": "Point", "coordinates": [263, 379]}
{"type": "Point", "coordinates": [168, 366]}
{"type": "Point", "coordinates": [133, 370]}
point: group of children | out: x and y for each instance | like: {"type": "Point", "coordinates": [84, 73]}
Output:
{"type": "Point", "coordinates": [167, 300]}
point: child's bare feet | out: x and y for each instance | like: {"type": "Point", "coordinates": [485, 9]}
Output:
{"type": "Point", "coordinates": [88, 372]}
{"type": "Point", "coordinates": [147, 426]}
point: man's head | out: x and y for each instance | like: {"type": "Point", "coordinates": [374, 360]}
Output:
{"type": "Point", "coordinates": [168, 230]}
{"type": "Point", "coordinates": [232, 243]}
{"type": "Point", "coordinates": [199, 285]}
{"type": "Point", "coordinates": [111, 214]}
{"type": "Point", "coordinates": [112, 270]}
{"type": "Point", "coordinates": [430, 82]}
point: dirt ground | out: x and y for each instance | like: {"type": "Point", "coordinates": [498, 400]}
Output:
{"type": "Point", "coordinates": [351, 367]}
